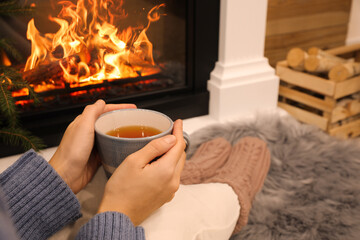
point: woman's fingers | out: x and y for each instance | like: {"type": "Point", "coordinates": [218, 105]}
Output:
{"type": "Point", "coordinates": [136, 183]}
{"type": "Point", "coordinates": [93, 111]}
{"type": "Point", "coordinates": [180, 165]}
{"type": "Point", "coordinates": [112, 107]}
{"type": "Point", "coordinates": [173, 156]}
{"type": "Point", "coordinates": [152, 150]}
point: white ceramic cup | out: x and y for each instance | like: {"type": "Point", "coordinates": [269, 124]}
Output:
{"type": "Point", "coordinates": [113, 150]}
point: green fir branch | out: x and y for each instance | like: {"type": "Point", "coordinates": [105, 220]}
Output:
{"type": "Point", "coordinates": [17, 82]}
{"type": "Point", "coordinates": [10, 8]}
{"type": "Point", "coordinates": [10, 73]}
{"type": "Point", "coordinates": [11, 133]}
{"type": "Point", "coordinates": [22, 84]}
{"type": "Point", "coordinates": [10, 49]}
{"type": "Point", "coordinates": [7, 103]}
{"type": "Point", "coordinates": [5, 4]}
{"type": "Point", "coordinates": [21, 137]}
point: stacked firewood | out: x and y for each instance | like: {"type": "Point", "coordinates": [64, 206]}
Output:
{"type": "Point", "coordinates": [323, 88]}
{"type": "Point", "coordinates": [316, 60]}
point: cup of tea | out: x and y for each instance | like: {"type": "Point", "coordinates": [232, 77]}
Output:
{"type": "Point", "coordinates": [122, 132]}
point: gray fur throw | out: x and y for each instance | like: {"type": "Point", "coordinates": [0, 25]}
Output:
{"type": "Point", "coordinates": [312, 190]}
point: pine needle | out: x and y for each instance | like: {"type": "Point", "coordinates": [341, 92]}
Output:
{"type": "Point", "coordinates": [17, 82]}
{"type": "Point", "coordinates": [10, 8]}
{"type": "Point", "coordinates": [11, 133]}
{"type": "Point", "coordinates": [21, 137]}
{"type": "Point", "coordinates": [7, 103]}
{"type": "Point", "coordinates": [10, 49]}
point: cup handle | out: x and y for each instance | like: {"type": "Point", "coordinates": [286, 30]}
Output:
{"type": "Point", "coordinates": [187, 140]}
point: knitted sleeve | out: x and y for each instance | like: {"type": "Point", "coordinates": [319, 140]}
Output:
{"type": "Point", "coordinates": [110, 226]}
{"type": "Point", "coordinates": [39, 201]}
{"type": "Point", "coordinates": [7, 230]}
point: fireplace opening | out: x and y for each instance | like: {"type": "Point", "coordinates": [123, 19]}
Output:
{"type": "Point", "coordinates": [156, 54]}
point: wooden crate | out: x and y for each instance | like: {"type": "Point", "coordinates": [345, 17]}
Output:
{"type": "Point", "coordinates": [314, 99]}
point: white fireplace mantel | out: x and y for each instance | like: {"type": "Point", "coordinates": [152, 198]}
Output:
{"type": "Point", "coordinates": [242, 82]}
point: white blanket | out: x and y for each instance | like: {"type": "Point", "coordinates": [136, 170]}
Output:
{"type": "Point", "coordinates": [197, 212]}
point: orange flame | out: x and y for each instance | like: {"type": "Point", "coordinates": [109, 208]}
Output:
{"type": "Point", "coordinates": [4, 59]}
{"type": "Point", "coordinates": [91, 47]}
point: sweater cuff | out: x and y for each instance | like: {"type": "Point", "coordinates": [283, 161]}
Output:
{"type": "Point", "coordinates": [39, 201]}
{"type": "Point", "coordinates": [109, 226]}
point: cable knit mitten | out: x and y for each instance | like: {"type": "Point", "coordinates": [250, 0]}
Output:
{"type": "Point", "coordinates": [208, 158]}
{"type": "Point", "coordinates": [245, 171]}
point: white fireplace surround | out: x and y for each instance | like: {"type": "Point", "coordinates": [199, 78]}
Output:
{"type": "Point", "coordinates": [242, 82]}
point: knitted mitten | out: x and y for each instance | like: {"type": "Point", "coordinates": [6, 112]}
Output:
{"type": "Point", "coordinates": [206, 160]}
{"type": "Point", "coordinates": [245, 171]}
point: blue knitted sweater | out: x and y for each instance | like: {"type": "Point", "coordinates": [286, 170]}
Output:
{"type": "Point", "coordinates": [35, 203]}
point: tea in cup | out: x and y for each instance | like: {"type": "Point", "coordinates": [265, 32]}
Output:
{"type": "Point", "coordinates": [122, 132]}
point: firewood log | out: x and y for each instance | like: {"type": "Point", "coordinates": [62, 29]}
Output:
{"type": "Point", "coordinates": [321, 64]}
{"type": "Point", "coordinates": [48, 71]}
{"type": "Point", "coordinates": [42, 73]}
{"type": "Point", "coordinates": [315, 51]}
{"type": "Point", "coordinates": [344, 71]}
{"type": "Point", "coordinates": [320, 61]}
{"type": "Point", "coordinates": [52, 71]}
{"type": "Point", "coordinates": [296, 58]}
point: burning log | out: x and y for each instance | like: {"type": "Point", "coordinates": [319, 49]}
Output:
{"type": "Point", "coordinates": [45, 73]}
{"type": "Point", "coordinates": [115, 53]}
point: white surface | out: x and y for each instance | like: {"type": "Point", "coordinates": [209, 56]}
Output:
{"type": "Point", "coordinates": [242, 30]}
{"type": "Point", "coordinates": [7, 161]}
{"type": "Point", "coordinates": [197, 212]}
{"type": "Point", "coordinates": [353, 34]}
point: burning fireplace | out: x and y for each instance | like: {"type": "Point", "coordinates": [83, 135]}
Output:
{"type": "Point", "coordinates": [156, 54]}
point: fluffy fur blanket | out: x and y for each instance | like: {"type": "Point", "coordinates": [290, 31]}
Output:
{"type": "Point", "coordinates": [312, 190]}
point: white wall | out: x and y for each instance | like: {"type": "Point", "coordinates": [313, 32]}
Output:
{"type": "Point", "coordinates": [353, 35]}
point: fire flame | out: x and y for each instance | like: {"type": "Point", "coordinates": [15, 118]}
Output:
{"type": "Point", "coordinates": [4, 59]}
{"type": "Point", "coordinates": [89, 47]}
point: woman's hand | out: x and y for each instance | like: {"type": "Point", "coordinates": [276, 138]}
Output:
{"type": "Point", "coordinates": [75, 160]}
{"type": "Point", "coordinates": [138, 186]}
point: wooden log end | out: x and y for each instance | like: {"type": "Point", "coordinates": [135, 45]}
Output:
{"type": "Point", "coordinates": [321, 53]}
{"type": "Point", "coordinates": [339, 73]}
{"type": "Point", "coordinates": [296, 57]}
{"type": "Point", "coordinates": [313, 51]}
{"type": "Point", "coordinates": [344, 71]}
{"type": "Point", "coordinates": [312, 63]}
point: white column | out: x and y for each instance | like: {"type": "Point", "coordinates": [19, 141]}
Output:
{"type": "Point", "coordinates": [242, 81]}
{"type": "Point", "coordinates": [353, 35]}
